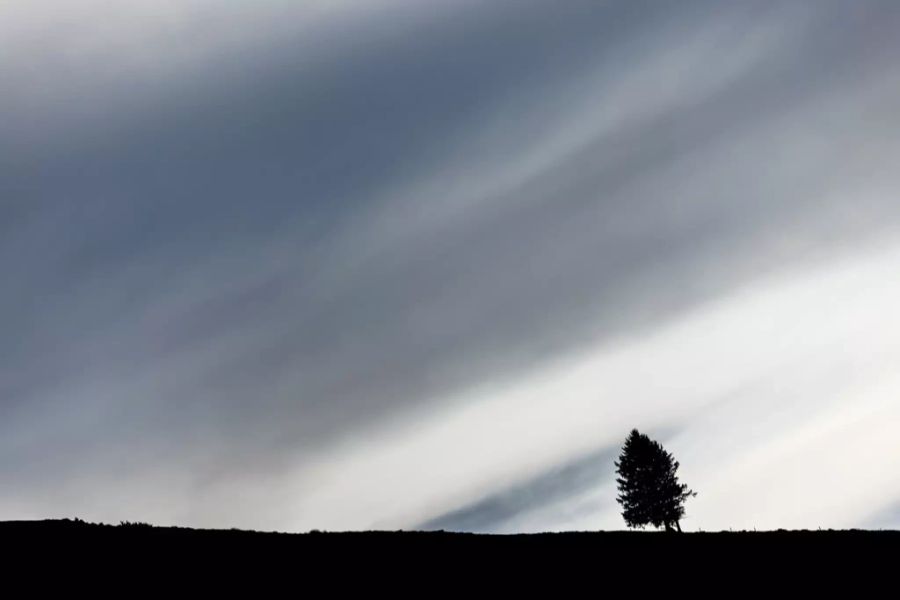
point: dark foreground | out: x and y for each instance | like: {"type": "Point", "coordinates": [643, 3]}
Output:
{"type": "Point", "coordinates": [382, 557]}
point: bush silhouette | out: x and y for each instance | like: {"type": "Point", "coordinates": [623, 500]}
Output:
{"type": "Point", "coordinates": [135, 525]}
{"type": "Point", "coordinates": [649, 491]}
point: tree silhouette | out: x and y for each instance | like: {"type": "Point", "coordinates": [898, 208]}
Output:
{"type": "Point", "coordinates": [649, 491]}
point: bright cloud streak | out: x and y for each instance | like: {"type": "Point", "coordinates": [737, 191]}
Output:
{"type": "Point", "coordinates": [761, 426]}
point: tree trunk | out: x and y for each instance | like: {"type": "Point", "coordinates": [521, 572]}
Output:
{"type": "Point", "coordinates": [678, 525]}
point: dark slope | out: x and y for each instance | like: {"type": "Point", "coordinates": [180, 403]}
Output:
{"type": "Point", "coordinates": [379, 558]}
{"type": "Point", "coordinates": [67, 532]}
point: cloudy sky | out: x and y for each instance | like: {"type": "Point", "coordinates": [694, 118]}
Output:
{"type": "Point", "coordinates": [343, 264]}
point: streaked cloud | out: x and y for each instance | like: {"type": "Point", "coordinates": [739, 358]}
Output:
{"type": "Point", "coordinates": [344, 265]}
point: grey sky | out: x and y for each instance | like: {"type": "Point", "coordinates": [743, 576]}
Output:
{"type": "Point", "coordinates": [390, 263]}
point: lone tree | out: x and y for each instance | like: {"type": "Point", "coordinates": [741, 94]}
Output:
{"type": "Point", "coordinates": [649, 491]}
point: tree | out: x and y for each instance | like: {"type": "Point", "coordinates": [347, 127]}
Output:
{"type": "Point", "coordinates": [649, 491]}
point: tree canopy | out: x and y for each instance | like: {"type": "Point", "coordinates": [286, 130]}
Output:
{"type": "Point", "coordinates": [649, 490]}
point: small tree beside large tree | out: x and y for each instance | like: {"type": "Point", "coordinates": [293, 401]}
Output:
{"type": "Point", "coordinates": [649, 491]}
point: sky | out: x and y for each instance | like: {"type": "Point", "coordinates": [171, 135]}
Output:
{"type": "Point", "coordinates": [394, 264]}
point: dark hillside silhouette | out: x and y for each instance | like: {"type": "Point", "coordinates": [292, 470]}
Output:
{"type": "Point", "coordinates": [143, 554]}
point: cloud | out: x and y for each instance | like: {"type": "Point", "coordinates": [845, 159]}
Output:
{"type": "Point", "coordinates": [755, 386]}
{"type": "Point", "coordinates": [886, 519]}
{"type": "Point", "coordinates": [498, 512]}
{"type": "Point", "coordinates": [243, 240]}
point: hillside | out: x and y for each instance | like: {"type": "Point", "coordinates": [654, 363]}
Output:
{"type": "Point", "coordinates": [388, 549]}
